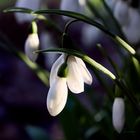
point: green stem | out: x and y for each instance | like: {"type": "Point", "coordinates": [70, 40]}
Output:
{"type": "Point", "coordinates": [34, 27]}
{"type": "Point", "coordinates": [49, 22]}
{"type": "Point", "coordinates": [88, 20]}
{"type": "Point", "coordinates": [80, 17]}
{"type": "Point", "coordinates": [68, 24]}
{"type": "Point", "coordinates": [92, 8]}
{"type": "Point", "coordinates": [124, 44]}
{"type": "Point", "coordinates": [84, 57]}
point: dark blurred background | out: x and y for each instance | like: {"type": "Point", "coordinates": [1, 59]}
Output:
{"type": "Point", "coordinates": [23, 112]}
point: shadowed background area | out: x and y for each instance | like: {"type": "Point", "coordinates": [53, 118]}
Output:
{"type": "Point", "coordinates": [87, 116]}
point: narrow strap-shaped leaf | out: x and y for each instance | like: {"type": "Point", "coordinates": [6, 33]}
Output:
{"type": "Point", "coordinates": [18, 9]}
{"type": "Point", "coordinates": [83, 56]}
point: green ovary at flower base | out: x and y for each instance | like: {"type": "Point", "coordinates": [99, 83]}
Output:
{"type": "Point", "coordinates": [77, 74]}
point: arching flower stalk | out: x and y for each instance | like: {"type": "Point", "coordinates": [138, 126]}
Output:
{"type": "Point", "coordinates": [76, 74]}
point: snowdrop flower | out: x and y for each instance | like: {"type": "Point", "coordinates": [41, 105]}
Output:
{"type": "Point", "coordinates": [31, 45]}
{"type": "Point", "coordinates": [31, 4]}
{"type": "Point", "coordinates": [121, 12]}
{"type": "Point", "coordinates": [72, 5]}
{"type": "Point", "coordinates": [118, 111]}
{"type": "Point", "coordinates": [77, 74]}
{"type": "Point", "coordinates": [131, 30]}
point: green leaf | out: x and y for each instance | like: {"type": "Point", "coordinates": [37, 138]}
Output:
{"type": "Point", "coordinates": [80, 17]}
{"type": "Point", "coordinates": [103, 12]}
{"type": "Point", "coordinates": [93, 63]}
{"type": "Point", "coordinates": [75, 15]}
{"type": "Point", "coordinates": [18, 9]}
{"type": "Point", "coordinates": [59, 12]}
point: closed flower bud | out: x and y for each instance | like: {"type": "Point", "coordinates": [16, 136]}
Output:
{"type": "Point", "coordinates": [118, 114]}
{"type": "Point", "coordinates": [31, 45]}
{"type": "Point", "coordinates": [57, 96]}
{"type": "Point", "coordinates": [76, 75]}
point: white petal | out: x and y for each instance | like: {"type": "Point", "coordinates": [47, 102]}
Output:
{"type": "Point", "coordinates": [55, 67]}
{"type": "Point", "coordinates": [85, 73]}
{"type": "Point", "coordinates": [31, 45]}
{"type": "Point", "coordinates": [74, 79]}
{"type": "Point", "coordinates": [57, 96]}
{"type": "Point", "coordinates": [118, 116]}
{"type": "Point", "coordinates": [31, 4]}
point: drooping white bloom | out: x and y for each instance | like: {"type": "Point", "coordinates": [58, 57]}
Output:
{"type": "Point", "coordinates": [31, 45]}
{"type": "Point", "coordinates": [131, 30]}
{"type": "Point", "coordinates": [72, 5]}
{"type": "Point", "coordinates": [76, 76]}
{"type": "Point", "coordinates": [118, 114]}
{"type": "Point", "coordinates": [31, 4]}
{"type": "Point", "coordinates": [57, 96]}
{"type": "Point", "coordinates": [121, 12]}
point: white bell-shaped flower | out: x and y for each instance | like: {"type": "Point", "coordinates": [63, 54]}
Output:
{"type": "Point", "coordinates": [77, 74]}
{"type": "Point", "coordinates": [75, 80]}
{"type": "Point", "coordinates": [31, 4]}
{"type": "Point", "coordinates": [57, 96]}
{"type": "Point", "coordinates": [31, 45]}
{"type": "Point", "coordinates": [131, 30]}
{"type": "Point", "coordinates": [72, 5]}
{"type": "Point", "coordinates": [118, 114]}
{"type": "Point", "coordinates": [55, 67]}
{"type": "Point", "coordinates": [121, 12]}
